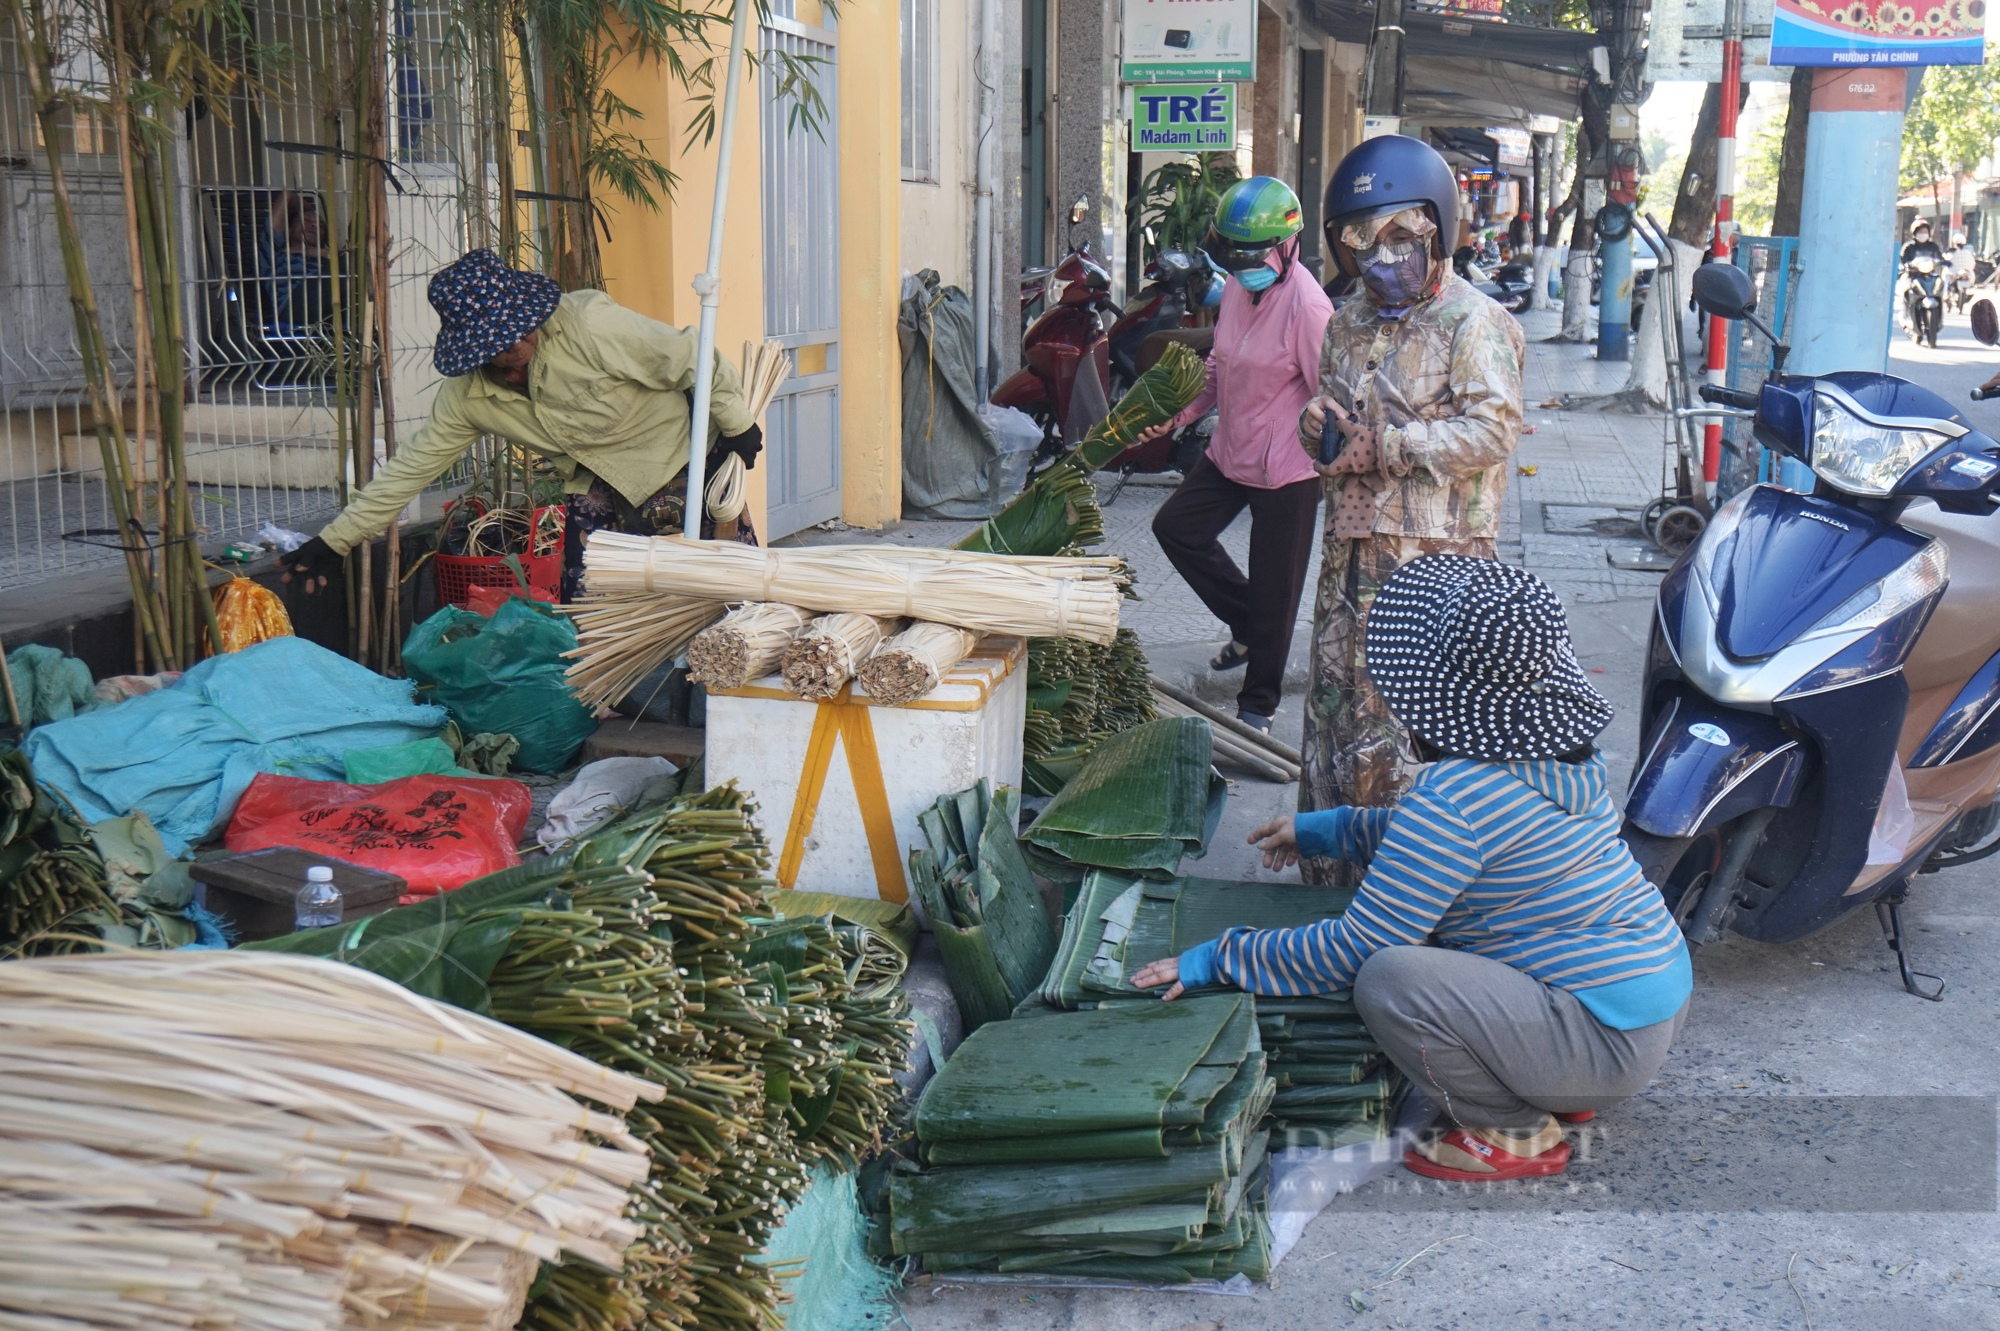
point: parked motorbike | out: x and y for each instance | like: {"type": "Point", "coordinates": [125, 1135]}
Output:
{"type": "Point", "coordinates": [1923, 303]}
{"type": "Point", "coordinates": [1065, 374]}
{"type": "Point", "coordinates": [1821, 704]}
{"type": "Point", "coordinates": [1178, 285]}
{"type": "Point", "coordinates": [1511, 284]}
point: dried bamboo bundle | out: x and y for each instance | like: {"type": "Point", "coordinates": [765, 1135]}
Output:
{"type": "Point", "coordinates": [337, 1139]}
{"type": "Point", "coordinates": [1026, 597]}
{"type": "Point", "coordinates": [825, 655]}
{"type": "Point", "coordinates": [906, 667]}
{"type": "Point", "coordinates": [621, 639]}
{"type": "Point", "coordinates": [745, 644]}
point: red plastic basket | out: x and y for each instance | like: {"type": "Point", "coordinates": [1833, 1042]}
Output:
{"type": "Point", "coordinates": [457, 575]}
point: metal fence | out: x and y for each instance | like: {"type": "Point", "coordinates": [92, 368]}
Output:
{"type": "Point", "coordinates": [261, 203]}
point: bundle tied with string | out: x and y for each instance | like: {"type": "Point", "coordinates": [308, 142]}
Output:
{"type": "Point", "coordinates": [746, 644]}
{"type": "Point", "coordinates": [621, 638]}
{"type": "Point", "coordinates": [906, 667]}
{"type": "Point", "coordinates": [765, 366]}
{"type": "Point", "coordinates": [820, 661]}
{"type": "Point", "coordinates": [1015, 596]}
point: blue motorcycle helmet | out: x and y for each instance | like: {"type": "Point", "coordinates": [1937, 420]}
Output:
{"type": "Point", "coordinates": [1385, 175]}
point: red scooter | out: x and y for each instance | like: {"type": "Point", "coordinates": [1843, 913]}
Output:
{"type": "Point", "coordinates": [1052, 384]}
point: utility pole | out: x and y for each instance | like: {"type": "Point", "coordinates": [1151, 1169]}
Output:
{"type": "Point", "coordinates": [1725, 229]}
{"type": "Point", "coordinates": [1382, 97]}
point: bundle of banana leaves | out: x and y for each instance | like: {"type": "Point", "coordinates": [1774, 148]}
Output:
{"type": "Point", "coordinates": [1059, 511]}
{"type": "Point", "coordinates": [1140, 800]}
{"type": "Point", "coordinates": [1333, 1085]}
{"type": "Point", "coordinates": [649, 948]}
{"type": "Point", "coordinates": [1119, 1143]}
{"type": "Point", "coordinates": [991, 924]}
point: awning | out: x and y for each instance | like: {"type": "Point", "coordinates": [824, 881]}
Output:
{"type": "Point", "coordinates": [1470, 144]}
{"type": "Point", "coordinates": [1473, 72]}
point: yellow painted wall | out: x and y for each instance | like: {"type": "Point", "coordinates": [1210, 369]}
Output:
{"type": "Point", "coordinates": [871, 142]}
{"type": "Point", "coordinates": [653, 256]}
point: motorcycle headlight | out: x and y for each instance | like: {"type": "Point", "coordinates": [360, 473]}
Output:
{"type": "Point", "coordinates": [1913, 582]}
{"type": "Point", "coordinates": [1925, 265]}
{"type": "Point", "coordinates": [1860, 457]}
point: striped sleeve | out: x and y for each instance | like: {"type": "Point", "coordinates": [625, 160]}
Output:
{"type": "Point", "coordinates": [1341, 833]}
{"type": "Point", "coordinates": [1428, 854]}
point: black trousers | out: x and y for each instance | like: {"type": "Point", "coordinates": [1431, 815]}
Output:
{"type": "Point", "coordinates": [1259, 609]}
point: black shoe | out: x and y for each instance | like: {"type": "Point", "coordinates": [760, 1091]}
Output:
{"type": "Point", "coordinates": [1233, 657]}
{"type": "Point", "coordinates": [1260, 724]}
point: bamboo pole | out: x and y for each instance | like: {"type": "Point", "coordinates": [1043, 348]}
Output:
{"type": "Point", "coordinates": [1217, 716]}
{"type": "Point", "coordinates": [142, 342]}
{"type": "Point", "coordinates": [389, 634]}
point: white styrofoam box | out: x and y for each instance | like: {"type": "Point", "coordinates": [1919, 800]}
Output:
{"type": "Point", "coordinates": [771, 742]}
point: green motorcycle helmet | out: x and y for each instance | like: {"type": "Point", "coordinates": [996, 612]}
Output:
{"type": "Point", "coordinates": [1253, 217]}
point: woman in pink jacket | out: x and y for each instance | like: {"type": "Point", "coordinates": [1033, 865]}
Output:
{"type": "Point", "coordinates": [1262, 372]}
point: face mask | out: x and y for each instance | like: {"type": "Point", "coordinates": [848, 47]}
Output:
{"type": "Point", "coordinates": [1396, 275]}
{"type": "Point", "coordinates": [1256, 279]}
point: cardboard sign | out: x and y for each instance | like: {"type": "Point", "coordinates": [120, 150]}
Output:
{"type": "Point", "coordinates": [1184, 117]}
{"type": "Point", "coordinates": [1213, 40]}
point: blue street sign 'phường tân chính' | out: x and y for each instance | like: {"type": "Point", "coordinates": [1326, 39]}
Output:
{"type": "Point", "coordinates": [1184, 117]}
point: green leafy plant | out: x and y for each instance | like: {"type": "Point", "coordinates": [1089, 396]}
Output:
{"type": "Point", "coordinates": [1176, 202]}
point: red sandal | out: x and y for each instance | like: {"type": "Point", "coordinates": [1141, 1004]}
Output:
{"type": "Point", "coordinates": [1575, 1115]}
{"type": "Point", "coordinates": [1504, 1164]}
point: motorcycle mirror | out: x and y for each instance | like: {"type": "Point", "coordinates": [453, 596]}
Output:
{"type": "Point", "coordinates": [1985, 322]}
{"type": "Point", "coordinates": [1724, 291]}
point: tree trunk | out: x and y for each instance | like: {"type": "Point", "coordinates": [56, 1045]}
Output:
{"type": "Point", "coordinates": [1694, 204]}
{"type": "Point", "coordinates": [1792, 163]}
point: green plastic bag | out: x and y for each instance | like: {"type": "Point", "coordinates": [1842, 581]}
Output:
{"type": "Point", "coordinates": [392, 762]}
{"type": "Point", "coordinates": [504, 675]}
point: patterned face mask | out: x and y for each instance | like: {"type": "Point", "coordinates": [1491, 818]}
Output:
{"type": "Point", "coordinates": [1395, 274]}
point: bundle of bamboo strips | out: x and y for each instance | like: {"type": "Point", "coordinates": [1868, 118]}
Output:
{"type": "Point", "coordinates": [823, 657]}
{"type": "Point", "coordinates": [1059, 598]}
{"type": "Point", "coordinates": [746, 644]}
{"type": "Point", "coordinates": [373, 1147]}
{"type": "Point", "coordinates": [623, 637]}
{"type": "Point", "coordinates": [906, 667]}
{"type": "Point", "coordinates": [1236, 744]}
{"type": "Point", "coordinates": [765, 366]}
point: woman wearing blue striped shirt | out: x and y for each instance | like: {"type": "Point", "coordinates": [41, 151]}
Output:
{"type": "Point", "coordinates": [1503, 949]}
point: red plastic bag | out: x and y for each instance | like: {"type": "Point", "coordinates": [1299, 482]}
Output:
{"type": "Point", "coordinates": [482, 600]}
{"type": "Point", "coordinates": [434, 832]}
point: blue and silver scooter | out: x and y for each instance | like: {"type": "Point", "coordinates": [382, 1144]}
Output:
{"type": "Point", "coordinates": [1821, 702]}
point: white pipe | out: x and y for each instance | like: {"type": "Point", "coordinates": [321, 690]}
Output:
{"type": "Point", "coordinates": [708, 283]}
{"type": "Point", "coordinates": [982, 197]}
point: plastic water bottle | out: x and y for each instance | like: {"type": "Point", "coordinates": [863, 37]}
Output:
{"type": "Point", "coordinates": [318, 903]}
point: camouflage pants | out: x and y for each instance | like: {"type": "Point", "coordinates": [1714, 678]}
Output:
{"type": "Point", "coordinates": [1355, 751]}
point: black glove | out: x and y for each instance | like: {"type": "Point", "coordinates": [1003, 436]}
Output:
{"type": "Point", "coordinates": [315, 562]}
{"type": "Point", "coordinates": [746, 446]}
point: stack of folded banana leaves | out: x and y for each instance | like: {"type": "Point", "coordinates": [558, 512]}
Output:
{"type": "Point", "coordinates": [992, 927]}
{"type": "Point", "coordinates": [1079, 693]}
{"type": "Point", "coordinates": [1141, 800]}
{"type": "Point", "coordinates": [1120, 1143]}
{"type": "Point", "coordinates": [647, 948]}
{"type": "Point", "coordinates": [1334, 1088]}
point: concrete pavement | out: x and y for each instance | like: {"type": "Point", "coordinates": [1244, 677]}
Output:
{"type": "Point", "coordinates": [1819, 1150]}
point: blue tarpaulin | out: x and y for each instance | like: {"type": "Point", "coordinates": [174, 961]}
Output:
{"type": "Point", "coordinates": [183, 755]}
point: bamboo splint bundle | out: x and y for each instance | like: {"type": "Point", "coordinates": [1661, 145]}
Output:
{"type": "Point", "coordinates": [1066, 598]}
{"type": "Point", "coordinates": [906, 667]}
{"type": "Point", "coordinates": [623, 637]}
{"type": "Point", "coordinates": [821, 660]}
{"type": "Point", "coordinates": [334, 1138]}
{"type": "Point", "coordinates": [745, 644]}
{"type": "Point", "coordinates": [765, 366]}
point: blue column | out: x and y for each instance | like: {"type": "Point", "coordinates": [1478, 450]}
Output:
{"type": "Point", "coordinates": [1614, 304]}
{"type": "Point", "coordinates": [1847, 225]}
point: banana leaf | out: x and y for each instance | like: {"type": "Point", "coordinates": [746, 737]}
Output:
{"type": "Point", "coordinates": [1059, 510]}
{"type": "Point", "coordinates": [892, 920]}
{"type": "Point", "coordinates": [1331, 1137]}
{"type": "Point", "coordinates": [1142, 800]}
{"type": "Point", "coordinates": [1302, 1097]}
{"type": "Point", "coordinates": [958, 1208]}
{"type": "Point", "coordinates": [1121, 1144]}
{"type": "Point", "coordinates": [1081, 1072]}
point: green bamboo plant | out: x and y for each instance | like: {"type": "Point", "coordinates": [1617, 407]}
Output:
{"type": "Point", "coordinates": [151, 62]}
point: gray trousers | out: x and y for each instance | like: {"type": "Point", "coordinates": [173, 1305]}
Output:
{"type": "Point", "coordinates": [1496, 1047]}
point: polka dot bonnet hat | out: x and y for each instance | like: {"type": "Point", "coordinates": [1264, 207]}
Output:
{"type": "Point", "coordinates": [1475, 656]}
{"type": "Point", "coordinates": [486, 307]}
